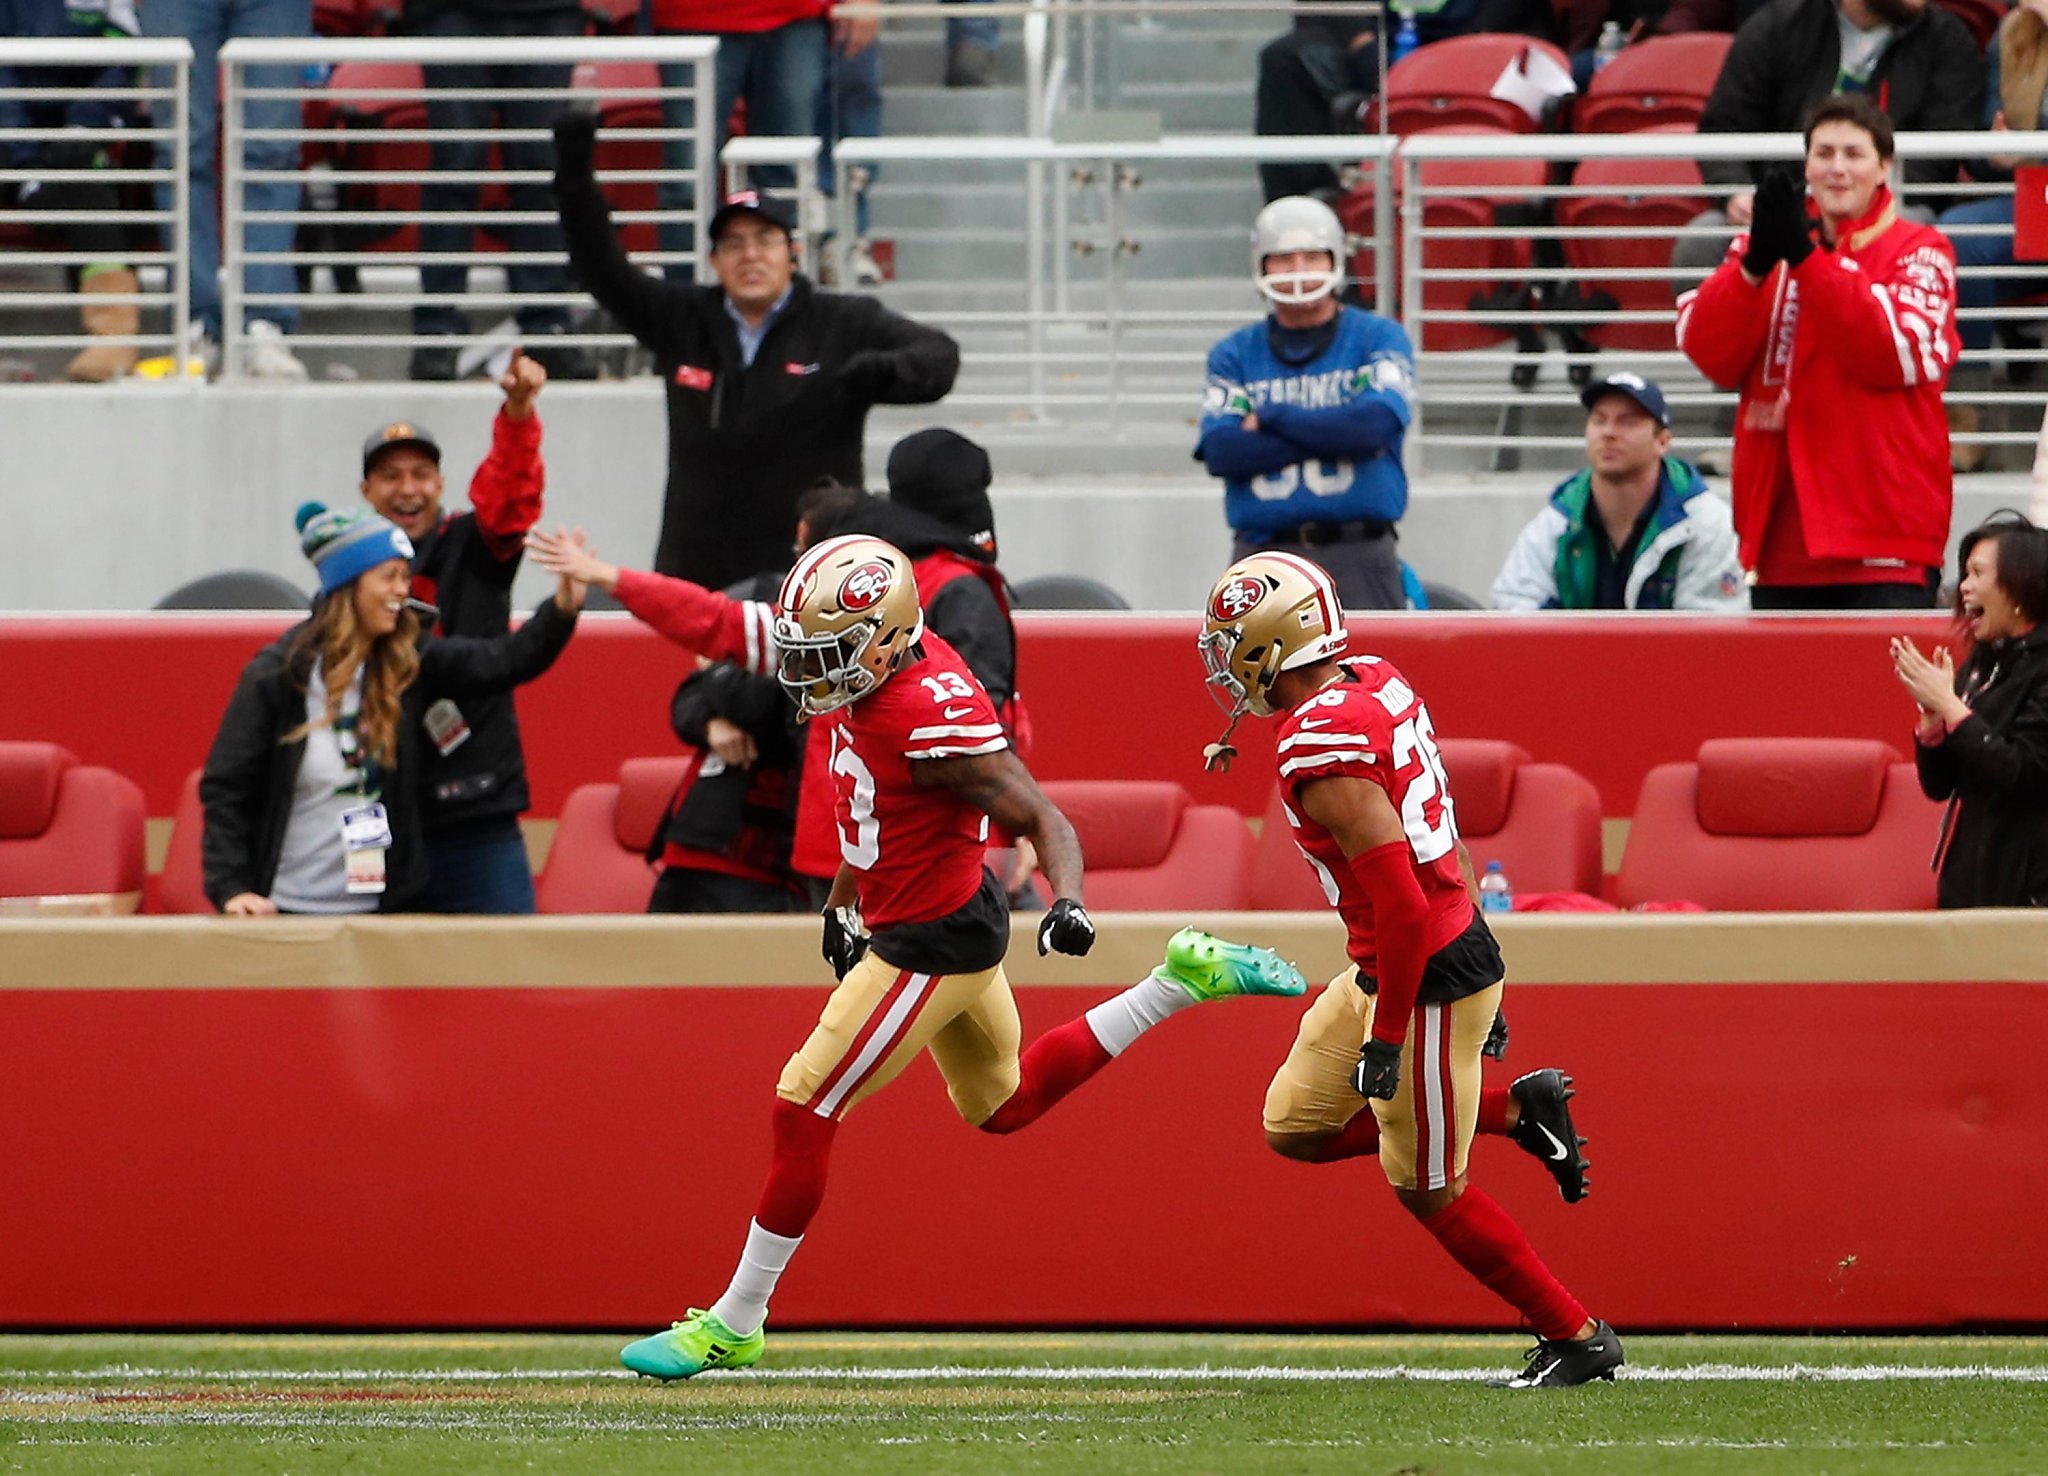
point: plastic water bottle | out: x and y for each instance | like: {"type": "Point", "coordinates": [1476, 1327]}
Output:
{"type": "Point", "coordinates": [1406, 37]}
{"type": "Point", "coordinates": [1608, 47]}
{"type": "Point", "coordinates": [1495, 895]}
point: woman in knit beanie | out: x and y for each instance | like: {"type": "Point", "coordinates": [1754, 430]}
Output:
{"type": "Point", "coordinates": [310, 791]}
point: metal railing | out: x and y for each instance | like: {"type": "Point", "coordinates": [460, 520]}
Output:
{"type": "Point", "coordinates": [1487, 293]}
{"type": "Point", "coordinates": [385, 218]}
{"type": "Point", "coordinates": [160, 268]}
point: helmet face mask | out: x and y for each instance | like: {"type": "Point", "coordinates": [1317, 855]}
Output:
{"type": "Point", "coordinates": [1297, 223]}
{"type": "Point", "coordinates": [846, 618]}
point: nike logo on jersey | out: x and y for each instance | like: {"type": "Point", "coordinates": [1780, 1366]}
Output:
{"type": "Point", "coordinates": [1562, 1152]}
{"type": "Point", "coordinates": [1314, 723]}
{"type": "Point", "coordinates": [954, 714]}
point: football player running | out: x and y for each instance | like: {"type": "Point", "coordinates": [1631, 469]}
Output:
{"type": "Point", "coordinates": [915, 926]}
{"type": "Point", "coordinates": [1403, 1029]}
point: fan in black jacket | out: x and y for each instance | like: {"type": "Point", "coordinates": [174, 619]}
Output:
{"type": "Point", "coordinates": [1982, 743]}
{"type": "Point", "coordinates": [251, 790]}
{"type": "Point", "coordinates": [746, 433]}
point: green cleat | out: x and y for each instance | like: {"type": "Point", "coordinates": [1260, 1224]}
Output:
{"type": "Point", "coordinates": [1211, 968]}
{"type": "Point", "coordinates": [698, 1342]}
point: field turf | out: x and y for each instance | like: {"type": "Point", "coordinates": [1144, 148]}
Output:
{"type": "Point", "coordinates": [846, 1404]}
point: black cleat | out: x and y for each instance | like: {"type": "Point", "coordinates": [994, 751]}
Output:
{"type": "Point", "coordinates": [1558, 1364]}
{"type": "Point", "coordinates": [1546, 1130]}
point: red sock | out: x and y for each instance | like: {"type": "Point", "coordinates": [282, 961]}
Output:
{"type": "Point", "coordinates": [1053, 1065]}
{"type": "Point", "coordinates": [796, 1174]}
{"type": "Point", "coordinates": [1359, 1139]}
{"type": "Point", "coordinates": [1493, 1111]}
{"type": "Point", "coordinates": [1481, 1238]}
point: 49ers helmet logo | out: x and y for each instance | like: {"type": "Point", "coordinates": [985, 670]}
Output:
{"type": "Point", "coordinates": [1237, 598]}
{"type": "Point", "coordinates": [865, 585]}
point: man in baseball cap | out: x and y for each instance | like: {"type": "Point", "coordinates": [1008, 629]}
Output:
{"type": "Point", "coordinates": [1635, 530]}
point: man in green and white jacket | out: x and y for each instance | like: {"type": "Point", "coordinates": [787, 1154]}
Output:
{"type": "Point", "coordinates": [1636, 530]}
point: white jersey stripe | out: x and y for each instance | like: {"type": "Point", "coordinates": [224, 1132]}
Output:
{"type": "Point", "coordinates": [1317, 760]}
{"type": "Point", "coordinates": [878, 1047]}
{"type": "Point", "coordinates": [958, 750]}
{"type": "Point", "coordinates": [1321, 740]}
{"type": "Point", "coordinates": [958, 730]}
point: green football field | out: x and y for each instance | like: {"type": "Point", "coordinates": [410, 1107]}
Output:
{"type": "Point", "coordinates": [848, 1403]}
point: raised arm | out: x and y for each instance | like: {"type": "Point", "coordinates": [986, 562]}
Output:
{"type": "Point", "coordinates": [642, 304]}
{"type": "Point", "coordinates": [505, 493]}
{"type": "Point", "coordinates": [714, 625]}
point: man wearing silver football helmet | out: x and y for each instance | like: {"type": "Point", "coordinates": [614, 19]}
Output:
{"type": "Point", "coordinates": [1305, 412]}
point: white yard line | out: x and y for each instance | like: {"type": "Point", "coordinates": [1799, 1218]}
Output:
{"type": "Point", "coordinates": [1051, 1373]}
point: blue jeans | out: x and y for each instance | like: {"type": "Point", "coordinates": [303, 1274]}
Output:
{"type": "Point", "coordinates": [458, 113]}
{"type": "Point", "coordinates": [207, 24]}
{"type": "Point", "coordinates": [1983, 251]}
{"type": "Point", "coordinates": [781, 74]}
{"type": "Point", "coordinates": [851, 108]}
{"type": "Point", "coordinates": [480, 867]}
{"type": "Point", "coordinates": [971, 31]}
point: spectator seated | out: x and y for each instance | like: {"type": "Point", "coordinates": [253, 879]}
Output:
{"type": "Point", "coordinates": [70, 834]}
{"type": "Point", "coordinates": [181, 885]}
{"type": "Point", "coordinates": [1149, 847]}
{"type": "Point", "coordinates": [598, 862]}
{"type": "Point", "coordinates": [1540, 821]}
{"type": "Point", "coordinates": [1783, 825]}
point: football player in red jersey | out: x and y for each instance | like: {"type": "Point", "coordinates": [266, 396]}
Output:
{"type": "Point", "coordinates": [916, 926]}
{"type": "Point", "coordinates": [1403, 1028]}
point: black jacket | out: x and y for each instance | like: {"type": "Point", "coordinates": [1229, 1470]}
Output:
{"type": "Point", "coordinates": [485, 776]}
{"type": "Point", "coordinates": [1994, 770]}
{"type": "Point", "coordinates": [246, 788]}
{"type": "Point", "coordinates": [745, 442]}
{"type": "Point", "coordinates": [746, 815]}
{"type": "Point", "coordinates": [1786, 57]}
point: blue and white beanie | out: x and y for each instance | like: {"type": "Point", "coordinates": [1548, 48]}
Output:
{"type": "Point", "coordinates": [347, 543]}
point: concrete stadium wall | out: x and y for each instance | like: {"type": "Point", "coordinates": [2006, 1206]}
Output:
{"type": "Point", "coordinates": [565, 1122]}
{"type": "Point", "coordinates": [126, 491]}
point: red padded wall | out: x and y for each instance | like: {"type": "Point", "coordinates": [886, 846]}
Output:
{"type": "Point", "coordinates": [589, 1157]}
{"type": "Point", "coordinates": [1110, 697]}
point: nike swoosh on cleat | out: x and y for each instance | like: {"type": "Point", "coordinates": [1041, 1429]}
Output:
{"type": "Point", "coordinates": [1562, 1152]}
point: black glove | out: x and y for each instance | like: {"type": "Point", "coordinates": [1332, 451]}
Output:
{"type": "Point", "coordinates": [1066, 928]}
{"type": "Point", "coordinates": [1378, 1072]}
{"type": "Point", "coordinates": [1496, 1047]}
{"type": "Point", "coordinates": [867, 374]}
{"type": "Point", "coordinates": [846, 939]}
{"type": "Point", "coordinates": [575, 143]}
{"type": "Point", "coordinates": [1778, 229]}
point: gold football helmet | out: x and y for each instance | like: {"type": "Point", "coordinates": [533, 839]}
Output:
{"type": "Point", "coordinates": [846, 618]}
{"type": "Point", "coordinates": [1269, 613]}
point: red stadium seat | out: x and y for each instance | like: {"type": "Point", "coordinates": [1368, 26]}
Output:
{"type": "Point", "coordinates": [1646, 199]}
{"type": "Point", "coordinates": [357, 121]}
{"type": "Point", "coordinates": [70, 834]}
{"type": "Point", "coordinates": [1540, 821]}
{"type": "Point", "coordinates": [1149, 847]}
{"type": "Point", "coordinates": [181, 886]}
{"type": "Point", "coordinates": [1659, 83]}
{"type": "Point", "coordinates": [1448, 84]}
{"type": "Point", "coordinates": [1783, 825]}
{"type": "Point", "coordinates": [598, 862]}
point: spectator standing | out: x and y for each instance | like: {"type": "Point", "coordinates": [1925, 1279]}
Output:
{"type": "Point", "coordinates": [207, 25]}
{"type": "Point", "coordinates": [1911, 58]}
{"type": "Point", "coordinates": [311, 790]}
{"type": "Point", "coordinates": [971, 42]}
{"type": "Point", "coordinates": [772, 54]}
{"type": "Point", "coordinates": [1636, 530]}
{"type": "Point", "coordinates": [1305, 412]}
{"type": "Point", "coordinates": [473, 786]}
{"type": "Point", "coordinates": [1982, 739]}
{"type": "Point", "coordinates": [108, 274]}
{"type": "Point", "coordinates": [769, 381]}
{"type": "Point", "coordinates": [850, 107]}
{"type": "Point", "coordinates": [1842, 485]}
{"type": "Point", "coordinates": [452, 105]}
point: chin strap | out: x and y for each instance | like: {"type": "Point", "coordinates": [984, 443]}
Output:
{"type": "Point", "coordinates": [1216, 756]}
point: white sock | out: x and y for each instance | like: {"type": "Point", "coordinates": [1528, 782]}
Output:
{"type": "Point", "coordinates": [1119, 1021]}
{"type": "Point", "coordinates": [744, 1307]}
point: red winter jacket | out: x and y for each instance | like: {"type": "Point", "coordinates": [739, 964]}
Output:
{"type": "Point", "coordinates": [735, 16]}
{"type": "Point", "coordinates": [1841, 364]}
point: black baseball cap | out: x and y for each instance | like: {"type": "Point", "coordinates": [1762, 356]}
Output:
{"type": "Point", "coordinates": [1643, 391]}
{"type": "Point", "coordinates": [399, 433]}
{"type": "Point", "coordinates": [753, 202]}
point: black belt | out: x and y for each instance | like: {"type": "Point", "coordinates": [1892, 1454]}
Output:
{"type": "Point", "coordinates": [1362, 530]}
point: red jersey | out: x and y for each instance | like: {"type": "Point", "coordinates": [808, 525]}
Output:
{"type": "Point", "coordinates": [917, 852]}
{"type": "Point", "coordinates": [1372, 726]}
